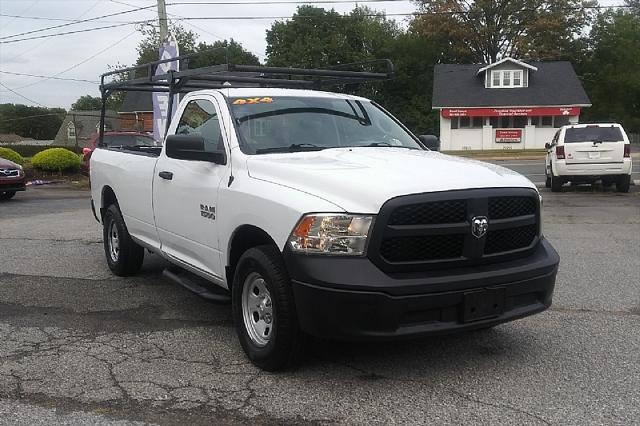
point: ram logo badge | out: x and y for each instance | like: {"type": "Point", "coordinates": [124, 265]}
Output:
{"type": "Point", "coordinates": [208, 212]}
{"type": "Point", "coordinates": [479, 226]}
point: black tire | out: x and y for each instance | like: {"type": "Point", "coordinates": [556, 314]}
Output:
{"type": "Point", "coordinates": [282, 343]}
{"type": "Point", "coordinates": [127, 258]}
{"type": "Point", "coordinates": [623, 183]}
{"type": "Point", "coordinates": [556, 183]}
{"type": "Point", "coordinates": [7, 195]}
{"type": "Point", "coordinates": [547, 180]}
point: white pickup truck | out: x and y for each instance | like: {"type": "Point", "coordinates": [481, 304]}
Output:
{"type": "Point", "coordinates": [320, 213]}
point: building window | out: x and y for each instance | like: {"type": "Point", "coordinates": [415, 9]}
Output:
{"type": "Point", "coordinates": [560, 120]}
{"type": "Point", "coordinates": [71, 131]}
{"type": "Point", "coordinates": [517, 78]}
{"type": "Point", "coordinates": [467, 122]}
{"type": "Point", "coordinates": [519, 122]}
{"type": "Point", "coordinates": [507, 78]}
{"type": "Point", "coordinates": [543, 121]}
{"type": "Point", "coordinates": [496, 78]}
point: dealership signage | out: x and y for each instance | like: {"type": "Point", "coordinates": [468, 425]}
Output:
{"type": "Point", "coordinates": [509, 112]}
{"type": "Point", "coordinates": [508, 135]}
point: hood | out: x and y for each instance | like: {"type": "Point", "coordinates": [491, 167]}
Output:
{"type": "Point", "coordinates": [6, 164]}
{"type": "Point", "coordinates": [360, 180]}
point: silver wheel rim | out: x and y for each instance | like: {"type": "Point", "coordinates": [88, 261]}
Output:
{"type": "Point", "coordinates": [257, 309]}
{"type": "Point", "coordinates": [114, 241]}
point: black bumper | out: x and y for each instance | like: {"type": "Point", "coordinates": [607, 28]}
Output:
{"type": "Point", "coordinates": [352, 299]}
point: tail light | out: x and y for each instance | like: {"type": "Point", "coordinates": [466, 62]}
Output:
{"type": "Point", "coordinates": [627, 150]}
{"type": "Point", "coordinates": [560, 152]}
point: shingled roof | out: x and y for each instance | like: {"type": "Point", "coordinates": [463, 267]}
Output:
{"type": "Point", "coordinates": [553, 84]}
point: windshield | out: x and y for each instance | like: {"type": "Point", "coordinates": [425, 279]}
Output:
{"type": "Point", "coordinates": [593, 134]}
{"type": "Point", "coordinates": [288, 124]}
{"type": "Point", "coordinates": [129, 140]}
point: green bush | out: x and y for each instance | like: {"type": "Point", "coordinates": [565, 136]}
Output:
{"type": "Point", "coordinates": [31, 150]}
{"type": "Point", "coordinates": [11, 155]}
{"type": "Point", "coordinates": [56, 160]}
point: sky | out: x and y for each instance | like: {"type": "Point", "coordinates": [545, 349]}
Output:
{"type": "Point", "coordinates": [86, 55]}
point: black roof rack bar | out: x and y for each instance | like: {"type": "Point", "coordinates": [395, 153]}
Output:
{"type": "Point", "coordinates": [228, 75]}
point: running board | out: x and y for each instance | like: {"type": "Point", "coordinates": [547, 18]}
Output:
{"type": "Point", "coordinates": [181, 277]}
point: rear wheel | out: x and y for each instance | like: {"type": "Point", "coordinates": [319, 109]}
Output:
{"type": "Point", "coordinates": [263, 309]}
{"type": "Point", "coordinates": [124, 256]}
{"type": "Point", "coordinates": [623, 183]}
{"type": "Point", "coordinates": [556, 183]}
{"type": "Point", "coordinates": [7, 195]}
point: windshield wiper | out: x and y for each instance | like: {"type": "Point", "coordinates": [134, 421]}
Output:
{"type": "Point", "coordinates": [296, 147]}
{"type": "Point", "coordinates": [383, 144]}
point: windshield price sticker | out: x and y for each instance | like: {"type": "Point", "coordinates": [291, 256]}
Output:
{"type": "Point", "coordinates": [250, 101]}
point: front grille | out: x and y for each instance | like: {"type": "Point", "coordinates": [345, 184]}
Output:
{"type": "Point", "coordinates": [510, 239]}
{"type": "Point", "coordinates": [9, 173]}
{"type": "Point", "coordinates": [428, 231]}
{"type": "Point", "coordinates": [409, 249]}
{"type": "Point", "coordinates": [426, 213]}
{"type": "Point", "coordinates": [502, 207]}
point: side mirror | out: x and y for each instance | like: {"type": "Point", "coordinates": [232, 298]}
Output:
{"type": "Point", "coordinates": [547, 145]}
{"type": "Point", "coordinates": [430, 141]}
{"type": "Point", "coordinates": [191, 147]}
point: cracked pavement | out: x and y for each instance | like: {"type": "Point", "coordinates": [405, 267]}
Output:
{"type": "Point", "coordinates": [81, 346]}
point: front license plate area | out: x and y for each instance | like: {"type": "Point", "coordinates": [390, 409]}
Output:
{"type": "Point", "coordinates": [483, 304]}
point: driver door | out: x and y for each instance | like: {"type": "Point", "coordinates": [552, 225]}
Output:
{"type": "Point", "coordinates": [185, 192]}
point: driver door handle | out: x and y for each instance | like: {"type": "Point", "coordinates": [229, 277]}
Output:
{"type": "Point", "coordinates": [166, 175]}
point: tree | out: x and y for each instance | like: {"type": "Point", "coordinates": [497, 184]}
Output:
{"type": "Point", "coordinates": [87, 103]}
{"type": "Point", "coordinates": [487, 30]}
{"type": "Point", "coordinates": [187, 43]}
{"type": "Point", "coordinates": [31, 122]}
{"type": "Point", "coordinates": [612, 71]}
{"type": "Point", "coordinates": [315, 37]}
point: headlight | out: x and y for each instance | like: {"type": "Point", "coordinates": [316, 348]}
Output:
{"type": "Point", "coordinates": [337, 234]}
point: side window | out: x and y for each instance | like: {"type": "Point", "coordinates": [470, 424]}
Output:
{"type": "Point", "coordinates": [200, 118]}
{"type": "Point", "coordinates": [555, 138]}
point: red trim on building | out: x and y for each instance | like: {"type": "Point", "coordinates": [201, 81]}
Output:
{"type": "Point", "coordinates": [509, 112]}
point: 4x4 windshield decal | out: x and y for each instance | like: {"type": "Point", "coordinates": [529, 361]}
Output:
{"type": "Point", "coordinates": [253, 101]}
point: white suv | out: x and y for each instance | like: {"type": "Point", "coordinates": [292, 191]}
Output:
{"type": "Point", "coordinates": [587, 153]}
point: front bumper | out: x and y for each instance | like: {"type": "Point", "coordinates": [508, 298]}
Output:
{"type": "Point", "coordinates": [352, 299]}
{"type": "Point", "coordinates": [10, 185]}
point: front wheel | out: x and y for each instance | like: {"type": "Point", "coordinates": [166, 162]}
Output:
{"type": "Point", "coordinates": [264, 311]}
{"type": "Point", "coordinates": [7, 195]}
{"type": "Point", "coordinates": [124, 256]}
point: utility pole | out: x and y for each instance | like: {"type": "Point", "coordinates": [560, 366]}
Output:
{"type": "Point", "coordinates": [162, 17]}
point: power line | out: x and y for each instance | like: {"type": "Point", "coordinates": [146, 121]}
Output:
{"type": "Point", "coordinates": [22, 96]}
{"type": "Point", "coordinates": [272, 2]}
{"type": "Point", "coordinates": [73, 21]}
{"type": "Point", "coordinates": [77, 22]}
{"type": "Point", "coordinates": [51, 77]}
{"type": "Point", "coordinates": [36, 46]}
{"type": "Point", "coordinates": [81, 62]}
{"type": "Point", "coordinates": [75, 32]}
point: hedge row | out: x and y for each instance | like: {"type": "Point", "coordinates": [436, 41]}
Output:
{"type": "Point", "coordinates": [31, 150]}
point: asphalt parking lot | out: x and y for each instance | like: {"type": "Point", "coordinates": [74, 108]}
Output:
{"type": "Point", "coordinates": [81, 346]}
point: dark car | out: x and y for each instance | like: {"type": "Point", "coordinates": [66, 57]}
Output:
{"type": "Point", "coordinates": [114, 139]}
{"type": "Point", "coordinates": [12, 179]}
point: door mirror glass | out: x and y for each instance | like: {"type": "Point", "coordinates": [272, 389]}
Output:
{"type": "Point", "coordinates": [192, 147]}
{"type": "Point", "coordinates": [430, 141]}
{"type": "Point", "coordinates": [547, 145]}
